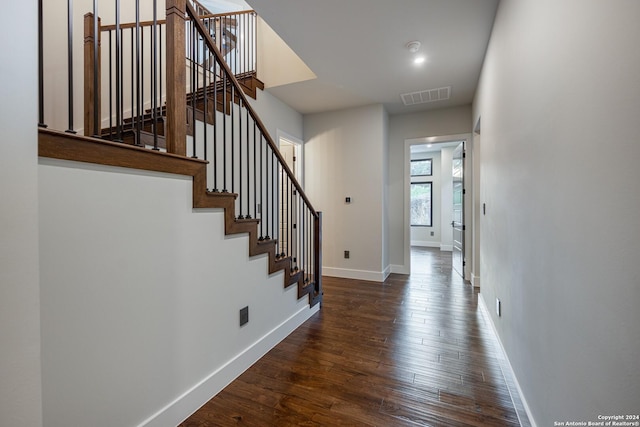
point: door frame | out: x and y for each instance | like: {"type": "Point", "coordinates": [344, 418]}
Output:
{"type": "Point", "coordinates": [299, 153]}
{"type": "Point", "coordinates": [475, 163]}
{"type": "Point", "coordinates": [466, 137]}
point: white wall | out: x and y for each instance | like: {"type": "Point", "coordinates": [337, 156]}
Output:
{"type": "Point", "coordinates": [20, 385]}
{"type": "Point", "coordinates": [344, 155]}
{"type": "Point", "coordinates": [277, 116]}
{"type": "Point", "coordinates": [141, 297]}
{"type": "Point", "coordinates": [222, 6]}
{"type": "Point", "coordinates": [278, 64]}
{"type": "Point", "coordinates": [385, 194]}
{"type": "Point", "coordinates": [559, 98]}
{"type": "Point", "coordinates": [449, 121]}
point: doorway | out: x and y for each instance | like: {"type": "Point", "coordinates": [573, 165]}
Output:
{"type": "Point", "coordinates": [290, 149]}
{"type": "Point", "coordinates": [442, 208]}
{"type": "Point", "coordinates": [475, 206]}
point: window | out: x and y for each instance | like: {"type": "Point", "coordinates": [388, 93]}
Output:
{"type": "Point", "coordinates": [421, 206]}
{"type": "Point", "coordinates": [421, 193]}
{"type": "Point", "coordinates": [421, 167]}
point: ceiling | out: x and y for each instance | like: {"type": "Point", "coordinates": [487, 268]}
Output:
{"type": "Point", "coordinates": [357, 49]}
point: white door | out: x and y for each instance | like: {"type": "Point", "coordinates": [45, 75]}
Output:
{"type": "Point", "coordinates": [458, 209]}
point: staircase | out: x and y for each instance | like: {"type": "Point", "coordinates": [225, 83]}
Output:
{"type": "Point", "coordinates": [151, 123]}
{"type": "Point", "coordinates": [149, 106]}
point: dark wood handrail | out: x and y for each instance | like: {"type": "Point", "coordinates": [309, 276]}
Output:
{"type": "Point", "coordinates": [212, 46]}
{"type": "Point", "coordinates": [223, 15]}
{"type": "Point", "coordinates": [133, 25]}
{"type": "Point", "coordinates": [162, 21]}
{"type": "Point", "coordinates": [201, 7]}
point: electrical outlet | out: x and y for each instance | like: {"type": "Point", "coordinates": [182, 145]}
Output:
{"type": "Point", "coordinates": [498, 307]}
{"type": "Point", "coordinates": [432, 233]}
{"type": "Point", "coordinates": [346, 254]}
{"type": "Point", "coordinates": [244, 316]}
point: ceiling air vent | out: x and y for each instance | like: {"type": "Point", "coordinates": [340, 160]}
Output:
{"type": "Point", "coordinates": [431, 95]}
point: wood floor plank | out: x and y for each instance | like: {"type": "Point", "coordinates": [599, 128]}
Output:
{"type": "Point", "coordinates": [413, 351]}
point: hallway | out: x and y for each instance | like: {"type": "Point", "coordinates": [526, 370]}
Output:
{"type": "Point", "coordinates": [414, 350]}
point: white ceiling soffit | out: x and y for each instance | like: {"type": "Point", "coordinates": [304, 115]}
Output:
{"type": "Point", "coordinates": [224, 6]}
{"type": "Point", "coordinates": [358, 50]}
{"type": "Point", "coordinates": [424, 96]}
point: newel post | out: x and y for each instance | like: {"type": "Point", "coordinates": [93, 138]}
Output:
{"type": "Point", "coordinates": [92, 61]}
{"type": "Point", "coordinates": [176, 132]}
{"type": "Point", "coordinates": [317, 247]}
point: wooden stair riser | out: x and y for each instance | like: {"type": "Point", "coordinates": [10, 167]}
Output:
{"type": "Point", "coordinates": [249, 85]}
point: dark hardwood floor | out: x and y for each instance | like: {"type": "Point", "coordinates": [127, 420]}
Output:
{"type": "Point", "coordinates": [414, 350]}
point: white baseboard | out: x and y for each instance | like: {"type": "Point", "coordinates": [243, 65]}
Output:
{"type": "Point", "coordinates": [446, 248]}
{"type": "Point", "coordinates": [485, 313]}
{"type": "Point", "coordinates": [190, 401]}
{"type": "Point", "coordinates": [475, 280]}
{"type": "Point", "coordinates": [425, 244]}
{"type": "Point", "coordinates": [346, 273]}
{"type": "Point", "coordinates": [386, 272]}
{"type": "Point", "coordinates": [399, 269]}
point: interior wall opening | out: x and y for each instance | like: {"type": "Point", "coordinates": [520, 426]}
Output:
{"type": "Point", "coordinates": [439, 234]}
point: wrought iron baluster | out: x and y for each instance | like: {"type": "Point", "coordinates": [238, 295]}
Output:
{"type": "Point", "coordinates": [246, 42]}
{"type": "Point", "coordinates": [240, 216]}
{"type": "Point", "coordinates": [306, 244]}
{"type": "Point", "coordinates": [110, 88]}
{"type": "Point", "coordinates": [160, 72]}
{"type": "Point", "coordinates": [274, 195]}
{"type": "Point", "coordinates": [291, 223]}
{"type": "Point", "coordinates": [96, 58]}
{"type": "Point", "coordinates": [255, 173]}
{"type": "Point", "coordinates": [40, 66]}
{"type": "Point", "coordinates": [283, 211]}
{"type": "Point", "coordinates": [154, 76]}
{"type": "Point", "coordinates": [194, 88]}
{"type": "Point", "coordinates": [139, 70]}
{"type": "Point", "coordinates": [262, 180]}
{"type": "Point", "coordinates": [142, 111]}
{"type": "Point", "coordinates": [268, 178]}
{"type": "Point", "coordinates": [237, 57]}
{"type": "Point", "coordinates": [133, 122]}
{"type": "Point", "coordinates": [205, 97]}
{"type": "Point", "coordinates": [224, 131]}
{"type": "Point", "coordinates": [118, 74]}
{"type": "Point", "coordinates": [70, 63]}
{"type": "Point", "coordinates": [215, 129]}
{"type": "Point", "coordinates": [233, 139]}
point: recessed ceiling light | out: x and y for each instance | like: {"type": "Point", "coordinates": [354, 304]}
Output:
{"type": "Point", "coordinates": [419, 59]}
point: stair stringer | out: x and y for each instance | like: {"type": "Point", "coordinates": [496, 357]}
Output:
{"type": "Point", "coordinates": [226, 201]}
{"type": "Point", "coordinates": [66, 146]}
